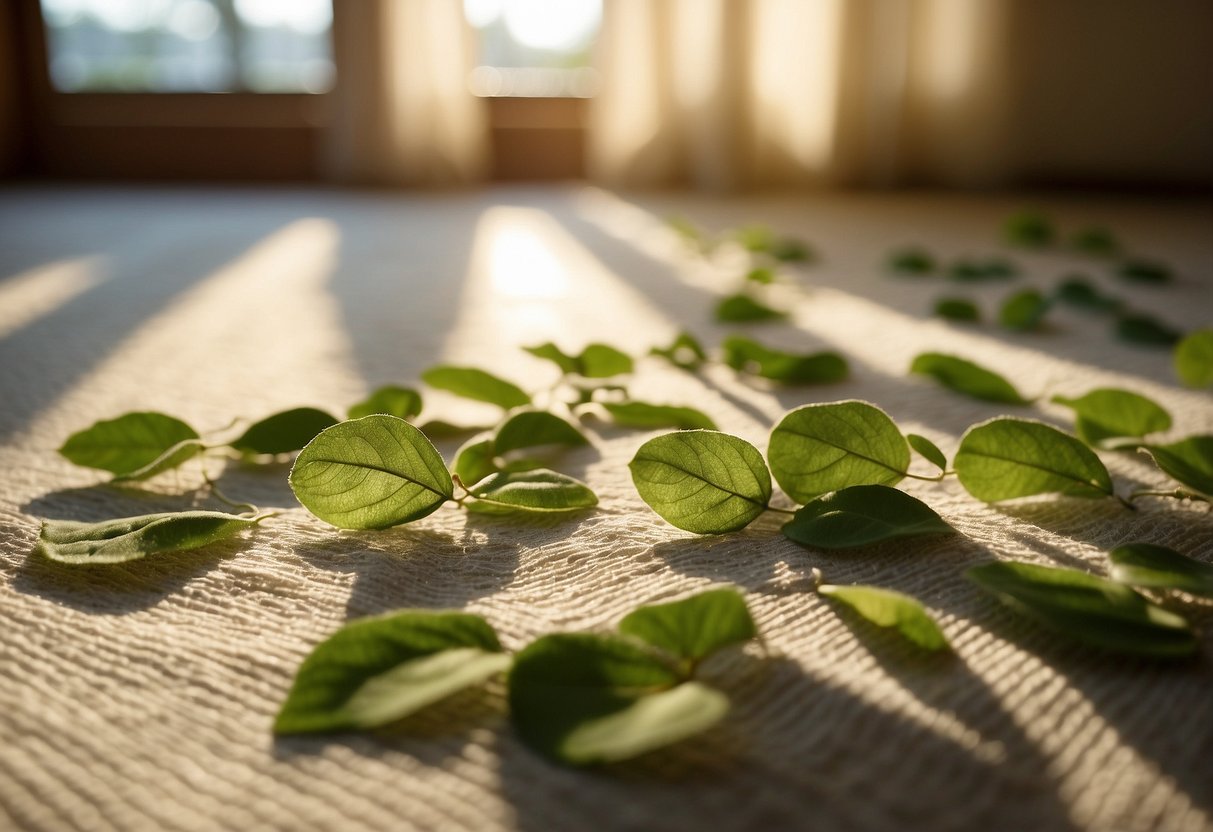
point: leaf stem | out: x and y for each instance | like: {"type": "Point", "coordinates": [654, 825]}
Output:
{"type": "Point", "coordinates": [782, 510]}
{"type": "Point", "coordinates": [937, 478]}
{"type": "Point", "coordinates": [245, 508]}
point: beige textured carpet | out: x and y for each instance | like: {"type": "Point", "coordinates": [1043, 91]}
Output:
{"type": "Point", "coordinates": [141, 696]}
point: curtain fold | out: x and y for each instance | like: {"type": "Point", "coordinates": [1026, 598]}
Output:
{"type": "Point", "coordinates": [403, 114]}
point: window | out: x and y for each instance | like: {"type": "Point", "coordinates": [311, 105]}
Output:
{"type": "Point", "coordinates": [259, 46]}
{"type": "Point", "coordinates": [534, 48]}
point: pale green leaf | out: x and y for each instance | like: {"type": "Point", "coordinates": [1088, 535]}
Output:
{"type": "Point", "coordinates": [966, 377]}
{"type": "Point", "coordinates": [928, 450]}
{"type": "Point", "coordinates": [1190, 461]}
{"type": "Point", "coordinates": [1023, 311]}
{"type": "Point", "coordinates": [1028, 228]}
{"type": "Point", "coordinates": [634, 414]}
{"type": "Point", "coordinates": [1108, 413]}
{"type": "Point", "coordinates": [1194, 358]}
{"type": "Point", "coordinates": [695, 627]}
{"type": "Point", "coordinates": [126, 443]}
{"type": "Point", "coordinates": [886, 608]}
{"type": "Point", "coordinates": [1005, 458]}
{"type": "Point", "coordinates": [749, 356]}
{"type": "Point", "coordinates": [550, 352]}
{"type": "Point", "coordinates": [172, 458]}
{"type": "Point", "coordinates": [862, 515]}
{"type": "Point", "coordinates": [283, 432]}
{"type": "Point", "coordinates": [537, 490]}
{"type": "Point", "coordinates": [131, 538]}
{"type": "Point", "coordinates": [534, 429]}
{"type": "Point", "coordinates": [402, 402]}
{"type": "Point", "coordinates": [742, 308]}
{"type": "Point", "coordinates": [1160, 567]}
{"type": "Point", "coordinates": [603, 361]}
{"type": "Point", "coordinates": [475, 384]}
{"type": "Point", "coordinates": [475, 461]}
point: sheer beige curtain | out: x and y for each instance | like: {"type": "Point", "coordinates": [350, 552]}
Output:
{"type": "Point", "coordinates": [403, 114]}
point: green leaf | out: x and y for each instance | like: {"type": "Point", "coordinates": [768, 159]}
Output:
{"type": "Point", "coordinates": [645, 415]}
{"type": "Point", "coordinates": [743, 308]}
{"type": "Point", "coordinates": [401, 402]}
{"type": "Point", "coordinates": [911, 261]}
{"type": "Point", "coordinates": [533, 429]}
{"type": "Point", "coordinates": [437, 429]}
{"type": "Point", "coordinates": [862, 515]}
{"type": "Point", "coordinates": [283, 432]}
{"type": "Point", "coordinates": [534, 491]}
{"type": "Point", "coordinates": [747, 355]}
{"type": "Point", "coordinates": [1005, 457]}
{"type": "Point", "coordinates": [684, 351]}
{"type": "Point", "coordinates": [702, 481]}
{"type": "Point", "coordinates": [966, 377]}
{"type": "Point", "coordinates": [694, 627]}
{"type": "Point", "coordinates": [1144, 329]}
{"type": "Point", "coordinates": [1095, 240]}
{"type": "Point", "coordinates": [1108, 413]}
{"type": "Point", "coordinates": [762, 275]}
{"type": "Point", "coordinates": [371, 473]}
{"type": "Point", "coordinates": [127, 443]}
{"type": "Point", "coordinates": [1088, 608]}
{"type": "Point", "coordinates": [826, 447]}
{"type": "Point", "coordinates": [1080, 292]}
{"type": "Point", "coordinates": [790, 250]}
{"type": "Point", "coordinates": [1190, 461]}
{"type": "Point", "coordinates": [1194, 359]}
{"type": "Point", "coordinates": [551, 352]}
{"type": "Point", "coordinates": [970, 270]}
{"type": "Point", "coordinates": [1023, 311]}
{"type": "Point", "coordinates": [475, 384]}
{"type": "Point", "coordinates": [886, 608]}
{"type": "Point", "coordinates": [475, 461]}
{"type": "Point", "coordinates": [1145, 271]}
{"type": "Point", "coordinates": [375, 671]}
{"type": "Point", "coordinates": [583, 699]}
{"type": "Point", "coordinates": [928, 450]}
{"type": "Point", "coordinates": [1028, 228]}
{"type": "Point", "coordinates": [172, 458]}
{"type": "Point", "coordinates": [131, 538]}
{"type": "Point", "coordinates": [1160, 567]}
{"type": "Point", "coordinates": [603, 361]}
{"type": "Point", "coordinates": [957, 309]}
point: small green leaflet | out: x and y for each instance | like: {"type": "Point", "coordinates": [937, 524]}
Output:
{"type": "Point", "coordinates": [1023, 311]}
{"type": "Point", "coordinates": [747, 355]}
{"type": "Point", "coordinates": [1144, 329]}
{"type": "Point", "coordinates": [439, 429]}
{"type": "Point", "coordinates": [475, 384]}
{"type": "Point", "coordinates": [1145, 271]}
{"type": "Point", "coordinates": [534, 429]}
{"type": "Point", "coordinates": [761, 240]}
{"type": "Point", "coordinates": [595, 361]}
{"type": "Point", "coordinates": [283, 432]}
{"type": "Point", "coordinates": [1087, 608]}
{"type": "Point", "coordinates": [551, 352]}
{"type": "Point", "coordinates": [911, 261]}
{"type": "Point", "coordinates": [172, 458]}
{"type": "Point", "coordinates": [702, 481]}
{"type": "Point", "coordinates": [401, 402]}
{"type": "Point", "coordinates": [762, 275]}
{"type": "Point", "coordinates": [375, 671]}
{"type": "Point", "coordinates": [1005, 457]}
{"type": "Point", "coordinates": [1095, 240]}
{"type": "Point", "coordinates": [371, 473]}
{"type": "Point", "coordinates": [928, 450]}
{"type": "Point", "coordinates": [1107, 413]}
{"type": "Point", "coordinates": [966, 377]}
{"type": "Point", "coordinates": [1194, 358]}
{"type": "Point", "coordinates": [1190, 461]}
{"type": "Point", "coordinates": [1028, 228]}
{"type": "Point", "coordinates": [131, 538]}
{"type": "Point", "coordinates": [742, 308]}
{"type": "Point", "coordinates": [957, 309]}
{"type": "Point", "coordinates": [1080, 292]}
{"type": "Point", "coordinates": [126, 443]}
{"type": "Point", "coordinates": [886, 608]}
{"type": "Point", "coordinates": [582, 699]}
{"type": "Point", "coordinates": [826, 447]}
{"type": "Point", "coordinates": [970, 270]}
{"type": "Point", "coordinates": [632, 414]}
{"type": "Point", "coordinates": [475, 461]}
{"type": "Point", "coordinates": [684, 351]}
{"type": "Point", "coordinates": [535, 491]}
{"type": "Point", "coordinates": [695, 627]}
{"type": "Point", "coordinates": [862, 515]}
{"type": "Point", "coordinates": [1160, 567]}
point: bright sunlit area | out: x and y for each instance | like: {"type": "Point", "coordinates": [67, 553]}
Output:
{"type": "Point", "coordinates": [534, 47]}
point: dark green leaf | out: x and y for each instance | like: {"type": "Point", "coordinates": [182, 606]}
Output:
{"type": "Point", "coordinates": [684, 351]}
{"type": "Point", "coordinates": [1108, 413]}
{"type": "Point", "coordinates": [1004, 458]}
{"type": "Point", "coordinates": [1190, 461]}
{"type": "Point", "coordinates": [1194, 358]}
{"type": "Point", "coordinates": [1028, 228]}
{"type": "Point", "coordinates": [175, 456]}
{"type": "Point", "coordinates": [966, 377]}
{"type": "Point", "coordinates": [1090, 609]}
{"type": "Point", "coordinates": [743, 308]}
{"type": "Point", "coordinates": [475, 461]}
{"type": "Point", "coordinates": [702, 481]}
{"type": "Point", "coordinates": [472, 383]}
{"type": "Point", "coordinates": [131, 538]}
{"type": "Point", "coordinates": [535, 491]}
{"type": "Point", "coordinates": [747, 355]}
{"type": "Point", "coordinates": [1144, 329]}
{"type": "Point", "coordinates": [993, 268]}
{"type": "Point", "coordinates": [127, 443]}
{"type": "Point", "coordinates": [582, 699]}
{"type": "Point", "coordinates": [401, 402]}
{"type": "Point", "coordinates": [826, 447]}
{"type": "Point", "coordinates": [928, 450]}
{"type": "Point", "coordinates": [371, 473]}
{"type": "Point", "coordinates": [957, 309]}
{"type": "Point", "coordinates": [375, 671]}
{"type": "Point", "coordinates": [550, 352]}
{"type": "Point", "coordinates": [643, 415]}
{"type": "Point", "coordinates": [1160, 567]}
{"type": "Point", "coordinates": [534, 429]}
{"type": "Point", "coordinates": [438, 429]}
{"type": "Point", "coordinates": [1145, 271]}
{"type": "Point", "coordinates": [283, 432]}
{"type": "Point", "coordinates": [911, 261]}
{"type": "Point", "coordinates": [1023, 311]}
{"type": "Point", "coordinates": [695, 627]}
{"type": "Point", "coordinates": [1080, 292]}
{"type": "Point", "coordinates": [862, 515]}
{"type": "Point", "coordinates": [790, 250]}
{"type": "Point", "coordinates": [886, 608]}
{"type": "Point", "coordinates": [603, 361]}
{"type": "Point", "coordinates": [1095, 240]}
